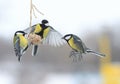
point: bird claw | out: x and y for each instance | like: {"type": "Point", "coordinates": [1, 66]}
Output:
{"type": "Point", "coordinates": [76, 55]}
{"type": "Point", "coordinates": [72, 53]}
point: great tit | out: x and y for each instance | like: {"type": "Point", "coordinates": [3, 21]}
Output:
{"type": "Point", "coordinates": [48, 35]}
{"type": "Point", "coordinates": [78, 47]}
{"type": "Point", "coordinates": [20, 43]}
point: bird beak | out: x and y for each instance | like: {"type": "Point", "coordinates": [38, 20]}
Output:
{"type": "Point", "coordinates": [24, 34]}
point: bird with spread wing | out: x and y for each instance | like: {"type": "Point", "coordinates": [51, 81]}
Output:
{"type": "Point", "coordinates": [45, 34]}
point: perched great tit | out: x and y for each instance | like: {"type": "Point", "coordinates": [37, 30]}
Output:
{"type": "Point", "coordinates": [78, 47]}
{"type": "Point", "coordinates": [48, 35]}
{"type": "Point", "coordinates": [20, 43]}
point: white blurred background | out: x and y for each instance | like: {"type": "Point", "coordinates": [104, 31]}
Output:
{"type": "Point", "coordinates": [89, 19]}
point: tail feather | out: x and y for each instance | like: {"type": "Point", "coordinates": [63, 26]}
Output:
{"type": "Point", "coordinates": [34, 50]}
{"type": "Point", "coordinates": [96, 53]}
{"type": "Point", "coordinates": [19, 58]}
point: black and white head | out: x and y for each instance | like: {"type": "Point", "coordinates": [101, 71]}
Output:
{"type": "Point", "coordinates": [67, 37]}
{"type": "Point", "coordinates": [20, 32]}
{"type": "Point", "coordinates": [45, 22]}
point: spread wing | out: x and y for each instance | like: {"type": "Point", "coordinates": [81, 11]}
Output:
{"type": "Point", "coordinates": [54, 38]}
{"type": "Point", "coordinates": [29, 29]}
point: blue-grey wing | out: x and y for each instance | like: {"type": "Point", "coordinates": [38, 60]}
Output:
{"type": "Point", "coordinates": [17, 47]}
{"type": "Point", "coordinates": [79, 43]}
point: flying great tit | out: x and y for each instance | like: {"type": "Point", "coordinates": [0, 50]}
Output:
{"type": "Point", "coordinates": [78, 47]}
{"type": "Point", "coordinates": [48, 35]}
{"type": "Point", "coordinates": [20, 43]}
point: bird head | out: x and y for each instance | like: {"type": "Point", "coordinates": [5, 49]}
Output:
{"type": "Point", "coordinates": [67, 37]}
{"type": "Point", "coordinates": [20, 32]}
{"type": "Point", "coordinates": [45, 22]}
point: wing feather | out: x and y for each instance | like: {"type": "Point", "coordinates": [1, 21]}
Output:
{"type": "Point", "coordinates": [30, 29]}
{"type": "Point", "coordinates": [17, 47]}
{"type": "Point", "coordinates": [54, 38]}
{"type": "Point", "coordinates": [79, 43]}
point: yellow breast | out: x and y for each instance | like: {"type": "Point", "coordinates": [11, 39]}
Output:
{"type": "Point", "coordinates": [23, 41]}
{"type": "Point", "coordinates": [45, 33]}
{"type": "Point", "coordinates": [38, 28]}
{"type": "Point", "coordinates": [73, 45]}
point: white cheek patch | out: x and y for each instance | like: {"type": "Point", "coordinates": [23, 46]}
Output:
{"type": "Point", "coordinates": [19, 33]}
{"type": "Point", "coordinates": [67, 38]}
{"type": "Point", "coordinates": [47, 24]}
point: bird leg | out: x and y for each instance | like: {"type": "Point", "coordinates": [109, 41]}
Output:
{"type": "Point", "coordinates": [76, 54]}
{"type": "Point", "coordinates": [79, 56]}
{"type": "Point", "coordinates": [72, 53]}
